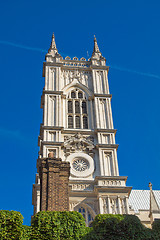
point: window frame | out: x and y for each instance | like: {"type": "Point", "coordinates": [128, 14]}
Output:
{"type": "Point", "coordinates": [77, 109]}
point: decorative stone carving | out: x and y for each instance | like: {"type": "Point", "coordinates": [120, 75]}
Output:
{"type": "Point", "coordinates": [82, 187]}
{"type": "Point", "coordinates": [82, 76]}
{"type": "Point", "coordinates": [72, 205]}
{"type": "Point", "coordinates": [114, 206]}
{"type": "Point", "coordinates": [78, 143]}
{"type": "Point", "coordinates": [123, 206]}
{"type": "Point", "coordinates": [105, 206]}
{"type": "Point", "coordinates": [111, 183]}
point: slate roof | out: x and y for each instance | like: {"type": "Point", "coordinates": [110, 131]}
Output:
{"type": "Point", "coordinates": [140, 199]}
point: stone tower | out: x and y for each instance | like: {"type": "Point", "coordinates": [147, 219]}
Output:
{"type": "Point", "coordinates": [78, 128]}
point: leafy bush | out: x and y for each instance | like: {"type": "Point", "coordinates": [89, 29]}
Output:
{"type": "Point", "coordinates": [26, 232]}
{"type": "Point", "coordinates": [156, 229]}
{"type": "Point", "coordinates": [10, 224]}
{"type": "Point", "coordinates": [58, 226]}
{"type": "Point", "coordinates": [118, 227]}
{"type": "Point", "coordinates": [132, 228]}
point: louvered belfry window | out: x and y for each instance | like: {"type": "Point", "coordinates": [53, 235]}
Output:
{"type": "Point", "coordinates": [84, 107]}
{"type": "Point", "coordinates": [77, 110]}
{"type": "Point", "coordinates": [77, 107]}
{"type": "Point", "coordinates": [70, 121]}
{"type": "Point", "coordinates": [78, 125]}
{"type": "Point", "coordinates": [85, 122]}
{"type": "Point", "coordinates": [70, 107]}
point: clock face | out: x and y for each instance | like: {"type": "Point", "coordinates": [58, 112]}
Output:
{"type": "Point", "coordinates": [80, 164]}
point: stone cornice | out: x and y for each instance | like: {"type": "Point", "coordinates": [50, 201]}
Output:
{"type": "Point", "coordinates": [52, 92]}
{"type": "Point", "coordinates": [106, 130]}
{"type": "Point", "coordinates": [103, 95]}
{"type": "Point", "coordinates": [114, 146]}
{"type": "Point", "coordinates": [83, 131]}
{"type": "Point", "coordinates": [111, 178]}
{"type": "Point", "coordinates": [52, 143]}
{"type": "Point", "coordinates": [53, 64]}
{"type": "Point", "coordinates": [76, 67]}
{"type": "Point", "coordinates": [51, 127]}
{"type": "Point", "coordinates": [112, 189]}
{"type": "Point", "coordinates": [99, 67]}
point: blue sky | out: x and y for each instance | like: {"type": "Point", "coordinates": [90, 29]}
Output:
{"type": "Point", "coordinates": [128, 35]}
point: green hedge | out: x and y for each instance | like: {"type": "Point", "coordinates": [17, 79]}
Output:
{"type": "Point", "coordinates": [118, 227]}
{"type": "Point", "coordinates": [156, 229]}
{"type": "Point", "coordinates": [71, 226]}
{"type": "Point", "coordinates": [26, 232]}
{"type": "Point", "coordinates": [10, 224]}
{"type": "Point", "coordinates": [58, 225]}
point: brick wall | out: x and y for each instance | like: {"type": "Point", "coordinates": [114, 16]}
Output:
{"type": "Point", "coordinates": [54, 184]}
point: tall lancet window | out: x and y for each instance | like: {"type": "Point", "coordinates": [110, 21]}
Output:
{"type": "Point", "coordinates": [77, 110]}
{"type": "Point", "coordinates": [70, 121]}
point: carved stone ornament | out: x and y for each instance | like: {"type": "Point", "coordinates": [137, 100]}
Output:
{"type": "Point", "coordinates": [82, 76]}
{"type": "Point", "coordinates": [78, 143]}
{"type": "Point", "coordinates": [105, 206]}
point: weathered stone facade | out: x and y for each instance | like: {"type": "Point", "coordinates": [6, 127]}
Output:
{"type": "Point", "coordinates": [78, 128]}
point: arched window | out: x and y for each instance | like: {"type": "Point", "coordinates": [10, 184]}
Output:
{"type": "Point", "coordinates": [84, 107]}
{"type": "Point", "coordinates": [86, 214]}
{"type": "Point", "coordinates": [70, 121]}
{"type": "Point", "coordinates": [80, 95]}
{"type": "Point", "coordinates": [70, 107]}
{"type": "Point", "coordinates": [85, 122]}
{"type": "Point", "coordinates": [77, 107]}
{"type": "Point", "coordinates": [78, 122]}
{"type": "Point", "coordinates": [73, 94]}
{"type": "Point", "coordinates": [77, 110]}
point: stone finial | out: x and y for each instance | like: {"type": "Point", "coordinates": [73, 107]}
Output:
{"type": "Point", "coordinates": [96, 48]}
{"type": "Point", "coordinates": [150, 185]}
{"type": "Point", "coordinates": [96, 55]}
{"type": "Point", "coordinates": [53, 49]}
{"type": "Point", "coordinates": [53, 43]}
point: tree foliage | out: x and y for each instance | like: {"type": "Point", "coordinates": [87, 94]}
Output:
{"type": "Point", "coordinates": [26, 232]}
{"type": "Point", "coordinates": [71, 226]}
{"type": "Point", "coordinates": [58, 225]}
{"type": "Point", "coordinates": [10, 224]}
{"type": "Point", "coordinates": [156, 229]}
{"type": "Point", "coordinates": [118, 227]}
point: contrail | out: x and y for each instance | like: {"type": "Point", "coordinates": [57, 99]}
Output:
{"type": "Point", "coordinates": [134, 71]}
{"type": "Point", "coordinates": [22, 46]}
{"type": "Point", "coordinates": [112, 66]}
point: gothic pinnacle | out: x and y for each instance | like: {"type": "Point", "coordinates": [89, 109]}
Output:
{"type": "Point", "coordinates": [53, 43]}
{"type": "Point", "coordinates": [96, 52]}
{"type": "Point", "coordinates": [96, 48]}
{"type": "Point", "coordinates": [53, 48]}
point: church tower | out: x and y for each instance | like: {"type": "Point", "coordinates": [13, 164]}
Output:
{"type": "Point", "coordinates": [78, 129]}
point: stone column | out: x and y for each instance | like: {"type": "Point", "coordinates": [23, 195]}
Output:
{"type": "Point", "coordinates": [109, 205]}
{"type": "Point", "coordinates": [100, 205]}
{"type": "Point", "coordinates": [127, 206]}
{"type": "Point", "coordinates": [119, 205]}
